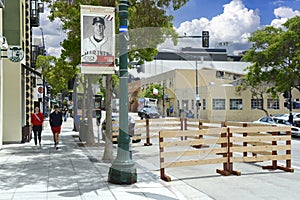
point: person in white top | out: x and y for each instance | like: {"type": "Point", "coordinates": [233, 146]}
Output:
{"type": "Point", "coordinates": [97, 44]}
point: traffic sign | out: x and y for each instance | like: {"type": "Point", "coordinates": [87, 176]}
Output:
{"type": "Point", "coordinates": [40, 90]}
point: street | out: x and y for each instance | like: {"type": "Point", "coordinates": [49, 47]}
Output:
{"type": "Point", "coordinates": [254, 183]}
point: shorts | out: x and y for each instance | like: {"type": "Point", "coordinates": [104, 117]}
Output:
{"type": "Point", "coordinates": [56, 129]}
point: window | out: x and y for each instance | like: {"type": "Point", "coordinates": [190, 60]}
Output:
{"type": "Point", "coordinates": [236, 104]}
{"type": "Point", "coordinates": [218, 104]}
{"type": "Point", "coordinates": [273, 104]}
{"type": "Point", "coordinates": [256, 104]}
{"type": "Point", "coordinates": [204, 104]}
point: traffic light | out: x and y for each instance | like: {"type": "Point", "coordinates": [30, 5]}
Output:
{"type": "Point", "coordinates": [286, 95]}
{"type": "Point", "coordinates": [205, 39]}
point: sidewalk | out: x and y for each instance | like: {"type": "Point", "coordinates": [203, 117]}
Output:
{"type": "Point", "coordinates": [74, 172]}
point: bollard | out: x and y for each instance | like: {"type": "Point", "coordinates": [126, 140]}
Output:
{"type": "Point", "coordinates": [148, 143]}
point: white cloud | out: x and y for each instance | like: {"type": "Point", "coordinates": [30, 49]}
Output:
{"type": "Point", "coordinates": [233, 25]}
{"type": "Point", "coordinates": [53, 35]}
{"type": "Point", "coordinates": [282, 14]}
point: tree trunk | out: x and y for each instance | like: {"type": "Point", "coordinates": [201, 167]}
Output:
{"type": "Point", "coordinates": [108, 151]}
{"type": "Point", "coordinates": [90, 140]}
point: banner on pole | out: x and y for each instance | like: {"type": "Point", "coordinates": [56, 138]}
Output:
{"type": "Point", "coordinates": [97, 39]}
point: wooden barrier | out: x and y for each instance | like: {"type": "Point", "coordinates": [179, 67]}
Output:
{"type": "Point", "coordinates": [233, 144]}
{"type": "Point", "coordinates": [264, 146]}
{"type": "Point", "coordinates": [184, 148]}
{"type": "Point", "coordinates": [150, 128]}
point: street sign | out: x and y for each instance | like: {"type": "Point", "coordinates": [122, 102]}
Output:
{"type": "Point", "coordinates": [40, 90]}
{"type": "Point", "coordinates": [15, 54]}
{"type": "Point", "coordinates": [197, 97]}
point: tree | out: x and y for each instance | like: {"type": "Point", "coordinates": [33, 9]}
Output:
{"type": "Point", "coordinates": [56, 71]}
{"type": "Point", "coordinates": [149, 91]}
{"type": "Point", "coordinates": [275, 55]}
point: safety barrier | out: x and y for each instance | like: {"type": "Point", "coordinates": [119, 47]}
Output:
{"type": "Point", "coordinates": [172, 148]}
{"type": "Point", "coordinates": [150, 128]}
{"type": "Point", "coordinates": [226, 146]}
{"type": "Point", "coordinates": [263, 146]}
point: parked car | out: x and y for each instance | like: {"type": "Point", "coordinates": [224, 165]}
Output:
{"type": "Point", "coordinates": [296, 125]}
{"type": "Point", "coordinates": [150, 112]}
{"type": "Point", "coordinates": [279, 121]}
{"type": "Point", "coordinates": [131, 125]}
{"type": "Point", "coordinates": [265, 120]}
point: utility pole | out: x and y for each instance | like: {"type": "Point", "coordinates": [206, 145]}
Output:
{"type": "Point", "coordinates": [163, 90]}
{"type": "Point", "coordinates": [122, 170]}
{"type": "Point", "coordinates": [197, 93]}
{"type": "Point", "coordinates": [44, 82]}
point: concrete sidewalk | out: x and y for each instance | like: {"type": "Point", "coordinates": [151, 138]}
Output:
{"type": "Point", "coordinates": [73, 172]}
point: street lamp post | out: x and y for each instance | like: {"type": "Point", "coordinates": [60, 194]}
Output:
{"type": "Point", "coordinates": [197, 92]}
{"type": "Point", "coordinates": [122, 170]}
{"type": "Point", "coordinates": [44, 83]}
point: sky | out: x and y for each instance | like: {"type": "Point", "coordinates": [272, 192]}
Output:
{"type": "Point", "coordinates": [230, 21]}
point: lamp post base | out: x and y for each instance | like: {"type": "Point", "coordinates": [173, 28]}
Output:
{"type": "Point", "coordinates": [122, 173]}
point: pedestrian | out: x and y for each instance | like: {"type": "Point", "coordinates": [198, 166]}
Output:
{"type": "Point", "coordinates": [65, 113]}
{"type": "Point", "coordinates": [55, 123]}
{"type": "Point", "coordinates": [171, 110]}
{"type": "Point", "coordinates": [37, 120]}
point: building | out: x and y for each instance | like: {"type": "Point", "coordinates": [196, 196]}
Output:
{"type": "Point", "coordinates": [217, 77]}
{"type": "Point", "coordinates": [18, 79]}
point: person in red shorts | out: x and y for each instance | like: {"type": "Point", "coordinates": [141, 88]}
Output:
{"type": "Point", "coordinates": [37, 120]}
{"type": "Point", "coordinates": [55, 123]}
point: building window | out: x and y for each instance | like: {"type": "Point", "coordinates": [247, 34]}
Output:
{"type": "Point", "coordinates": [204, 104]}
{"type": "Point", "coordinates": [193, 104]}
{"type": "Point", "coordinates": [219, 74]}
{"type": "Point", "coordinates": [236, 104]}
{"type": "Point", "coordinates": [256, 104]}
{"type": "Point", "coordinates": [218, 104]}
{"type": "Point", "coordinates": [273, 104]}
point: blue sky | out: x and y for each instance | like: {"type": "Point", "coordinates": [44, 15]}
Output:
{"type": "Point", "coordinates": [196, 9]}
{"type": "Point", "coordinates": [228, 21]}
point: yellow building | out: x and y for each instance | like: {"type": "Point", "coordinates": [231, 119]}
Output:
{"type": "Point", "coordinates": [216, 90]}
{"type": "Point", "coordinates": [16, 78]}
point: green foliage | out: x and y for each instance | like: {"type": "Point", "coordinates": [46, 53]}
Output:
{"type": "Point", "coordinates": [143, 41]}
{"type": "Point", "coordinates": [149, 91]}
{"type": "Point", "coordinates": [56, 71]}
{"type": "Point", "coordinates": [275, 55]}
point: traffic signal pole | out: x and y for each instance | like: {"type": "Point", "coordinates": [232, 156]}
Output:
{"type": "Point", "coordinates": [122, 170]}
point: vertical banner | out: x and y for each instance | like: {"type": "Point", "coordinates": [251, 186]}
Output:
{"type": "Point", "coordinates": [97, 39]}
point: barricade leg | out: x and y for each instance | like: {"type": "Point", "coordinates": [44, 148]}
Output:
{"type": "Point", "coordinates": [230, 155]}
{"type": "Point", "coordinates": [181, 126]}
{"type": "Point", "coordinates": [288, 162]}
{"type": "Point", "coordinates": [245, 154]}
{"type": "Point", "coordinates": [163, 175]}
{"type": "Point", "coordinates": [148, 143]}
{"type": "Point", "coordinates": [224, 171]}
{"type": "Point", "coordinates": [274, 162]}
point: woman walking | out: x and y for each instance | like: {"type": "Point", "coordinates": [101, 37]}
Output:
{"type": "Point", "coordinates": [37, 120]}
{"type": "Point", "coordinates": [55, 123]}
